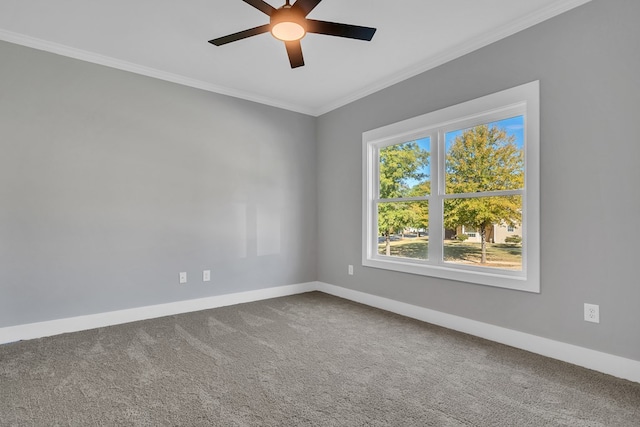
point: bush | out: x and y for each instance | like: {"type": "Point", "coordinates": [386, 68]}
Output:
{"type": "Point", "coordinates": [462, 237]}
{"type": "Point", "coordinates": [515, 239]}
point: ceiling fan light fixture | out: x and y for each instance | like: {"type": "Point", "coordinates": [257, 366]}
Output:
{"type": "Point", "coordinates": [288, 31]}
{"type": "Point", "coordinates": [287, 24]}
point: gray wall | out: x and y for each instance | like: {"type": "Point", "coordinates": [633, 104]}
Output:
{"type": "Point", "coordinates": [588, 65]}
{"type": "Point", "coordinates": [112, 183]}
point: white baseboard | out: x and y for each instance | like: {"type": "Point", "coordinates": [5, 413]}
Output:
{"type": "Point", "coordinates": [603, 362]}
{"type": "Point", "coordinates": [99, 320]}
{"type": "Point", "coordinates": [598, 361]}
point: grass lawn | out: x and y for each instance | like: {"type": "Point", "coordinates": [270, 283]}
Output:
{"type": "Point", "coordinates": [499, 255]}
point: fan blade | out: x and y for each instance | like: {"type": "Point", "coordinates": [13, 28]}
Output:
{"type": "Point", "coordinates": [294, 50]}
{"type": "Point", "coordinates": [340, 30]}
{"type": "Point", "coordinates": [261, 6]}
{"type": "Point", "coordinates": [305, 6]}
{"type": "Point", "coordinates": [240, 35]}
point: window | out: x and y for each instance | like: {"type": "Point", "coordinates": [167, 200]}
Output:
{"type": "Point", "coordinates": [439, 191]}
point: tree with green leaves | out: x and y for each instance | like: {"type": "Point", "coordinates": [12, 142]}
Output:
{"type": "Point", "coordinates": [483, 159]}
{"type": "Point", "coordinates": [420, 210]}
{"type": "Point", "coordinates": [400, 165]}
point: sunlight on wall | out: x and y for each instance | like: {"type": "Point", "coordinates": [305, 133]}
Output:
{"type": "Point", "coordinates": [268, 232]}
{"type": "Point", "coordinates": [238, 246]}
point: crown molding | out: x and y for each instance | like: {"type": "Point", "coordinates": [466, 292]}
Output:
{"type": "Point", "coordinates": [460, 50]}
{"type": "Point", "coordinates": [457, 52]}
{"type": "Point", "coordinates": [107, 61]}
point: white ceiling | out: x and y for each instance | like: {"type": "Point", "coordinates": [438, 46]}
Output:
{"type": "Point", "coordinates": [167, 39]}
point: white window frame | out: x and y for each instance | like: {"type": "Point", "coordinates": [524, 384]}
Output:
{"type": "Point", "coordinates": [521, 100]}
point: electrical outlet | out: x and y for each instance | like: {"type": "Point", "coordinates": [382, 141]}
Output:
{"type": "Point", "coordinates": [183, 278]}
{"type": "Point", "coordinates": [206, 275]}
{"type": "Point", "coordinates": [592, 313]}
{"type": "Point", "coordinates": [350, 270]}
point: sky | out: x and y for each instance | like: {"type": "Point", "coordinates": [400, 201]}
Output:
{"type": "Point", "coordinates": [514, 127]}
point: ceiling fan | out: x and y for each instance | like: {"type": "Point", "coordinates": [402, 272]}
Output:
{"type": "Point", "coordinates": [289, 23]}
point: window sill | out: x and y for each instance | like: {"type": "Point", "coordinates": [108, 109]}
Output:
{"type": "Point", "coordinates": [515, 280]}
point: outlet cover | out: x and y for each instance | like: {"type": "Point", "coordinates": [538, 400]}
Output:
{"type": "Point", "coordinates": [183, 278]}
{"type": "Point", "coordinates": [592, 313]}
{"type": "Point", "coordinates": [206, 275]}
{"type": "Point", "coordinates": [350, 270]}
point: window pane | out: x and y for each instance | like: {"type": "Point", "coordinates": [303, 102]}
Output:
{"type": "Point", "coordinates": [403, 229]}
{"type": "Point", "coordinates": [488, 157]}
{"type": "Point", "coordinates": [477, 232]}
{"type": "Point", "coordinates": [404, 169]}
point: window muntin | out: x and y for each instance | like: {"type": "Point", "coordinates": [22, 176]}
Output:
{"type": "Point", "coordinates": [491, 187]}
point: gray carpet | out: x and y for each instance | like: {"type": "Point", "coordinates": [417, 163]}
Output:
{"type": "Point", "coordinates": [304, 360]}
